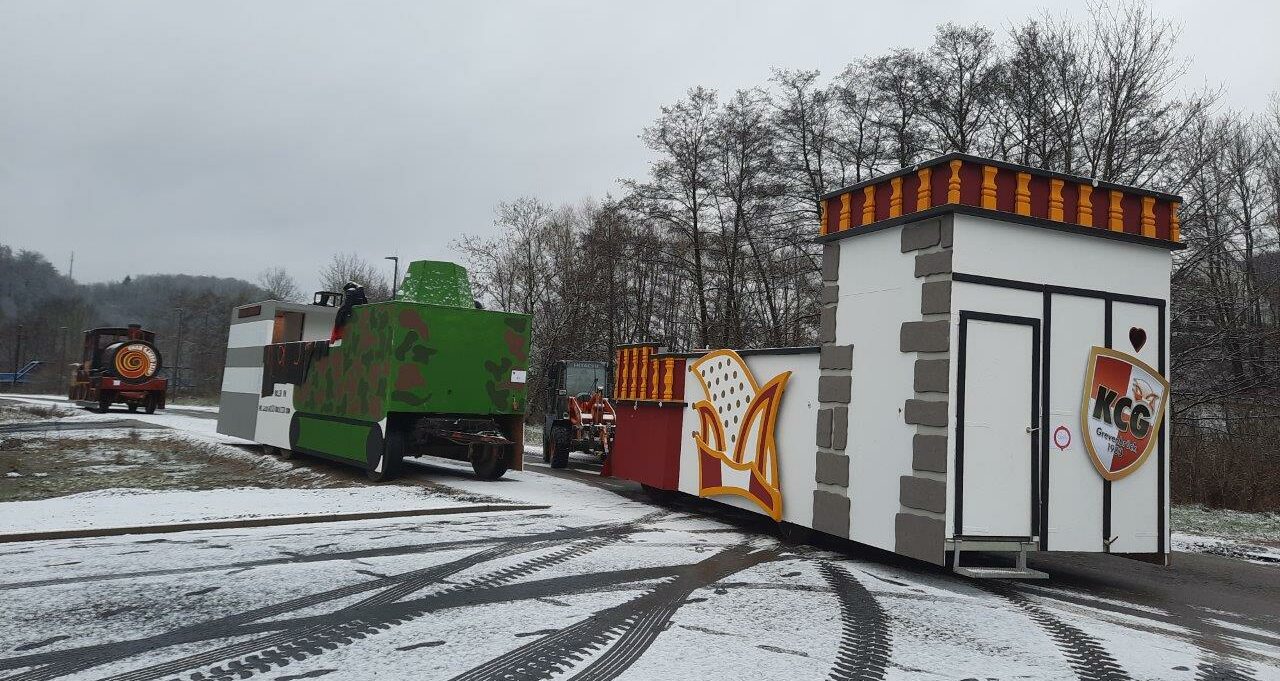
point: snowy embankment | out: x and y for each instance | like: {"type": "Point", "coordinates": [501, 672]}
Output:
{"type": "Point", "coordinates": [133, 508]}
{"type": "Point", "coordinates": [1254, 537]}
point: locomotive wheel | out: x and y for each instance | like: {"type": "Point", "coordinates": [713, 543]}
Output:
{"type": "Point", "coordinates": [560, 445]}
{"type": "Point", "coordinates": [487, 461]}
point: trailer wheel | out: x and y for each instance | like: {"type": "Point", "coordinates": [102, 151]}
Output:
{"type": "Point", "coordinates": [560, 445]}
{"type": "Point", "coordinates": [151, 404]}
{"type": "Point", "coordinates": [487, 461]}
{"type": "Point", "coordinates": [104, 404]}
{"type": "Point", "coordinates": [133, 407]}
{"type": "Point", "coordinates": [382, 460]}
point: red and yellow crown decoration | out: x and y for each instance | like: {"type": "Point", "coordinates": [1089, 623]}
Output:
{"type": "Point", "coordinates": [963, 180]}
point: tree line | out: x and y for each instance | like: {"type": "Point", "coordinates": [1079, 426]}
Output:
{"type": "Point", "coordinates": [714, 246]}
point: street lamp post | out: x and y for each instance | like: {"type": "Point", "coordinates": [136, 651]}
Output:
{"type": "Point", "coordinates": [395, 274]}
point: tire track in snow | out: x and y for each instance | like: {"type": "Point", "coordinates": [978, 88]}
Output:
{"type": "Point", "coordinates": [866, 641]}
{"type": "Point", "coordinates": [1086, 654]}
{"type": "Point", "coordinates": [630, 627]}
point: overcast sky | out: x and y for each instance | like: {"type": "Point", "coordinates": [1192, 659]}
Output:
{"type": "Point", "coordinates": [223, 137]}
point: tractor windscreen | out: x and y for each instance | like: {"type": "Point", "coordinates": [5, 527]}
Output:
{"type": "Point", "coordinates": [585, 377]}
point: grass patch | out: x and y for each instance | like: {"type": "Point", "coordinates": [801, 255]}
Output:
{"type": "Point", "coordinates": [1195, 519]}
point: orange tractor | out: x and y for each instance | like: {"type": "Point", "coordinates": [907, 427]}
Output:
{"type": "Point", "coordinates": [578, 415]}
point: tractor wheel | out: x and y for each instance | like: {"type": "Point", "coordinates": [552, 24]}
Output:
{"type": "Point", "coordinates": [488, 462]}
{"type": "Point", "coordinates": [133, 407]}
{"type": "Point", "coordinates": [151, 404]}
{"type": "Point", "coordinates": [104, 405]}
{"type": "Point", "coordinates": [560, 446]}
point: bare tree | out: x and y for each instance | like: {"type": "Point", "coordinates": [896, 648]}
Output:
{"type": "Point", "coordinates": [958, 85]}
{"type": "Point", "coordinates": [350, 267]}
{"type": "Point", "coordinates": [279, 285]}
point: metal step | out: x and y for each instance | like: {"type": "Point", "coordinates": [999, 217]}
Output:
{"type": "Point", "coordinates": [1018, 571]}
{"type": "Point", "coordinates": [1000, 573]}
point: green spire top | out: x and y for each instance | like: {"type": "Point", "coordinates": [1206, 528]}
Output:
{"type": "Point", "coordinates": [435, 282]}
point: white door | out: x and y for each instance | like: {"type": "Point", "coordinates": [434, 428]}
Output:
{"type": "Point", "coordinates": [995, 447]}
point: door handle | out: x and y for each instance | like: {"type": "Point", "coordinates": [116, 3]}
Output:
{"type": "Point", "coordinates": [1032, 429]}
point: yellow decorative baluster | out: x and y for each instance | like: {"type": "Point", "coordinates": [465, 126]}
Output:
{"type": "Point", "coordinates": [669, 377]}
{"type": "Point", "coordinates": [953, 184]}
{"type": "Point", "coordinates": [1175, 223]}
{"type": "Point", "coordinates": [989, 187]}
{"type": "Point", "coordinates": [869, 204]}
{"type": "Point", "coordinates": [924, 195]}
{"type": "Point", "coordinates": [1115, 215]}
{"type": "Point", "coordinates": [846, 215]}
{"type": "Point", "coordinates": [1055, 199]}
{"type": "Point", "coordinates": [1148, 216]}
{"type": "Point", "coordinates": [1084, 208]}
{"type": "Point", "coordinates": [895, 197]}
{"type": "Point", "coordinates": [1022, 197]}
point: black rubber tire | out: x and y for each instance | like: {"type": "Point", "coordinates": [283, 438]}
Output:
{"type": "Point", "coordinates": [151, 404]}
{"type": "Point", "coordinates": [390, 450]}
{"type": "Point", "coordinates": [489, 463]}
{"type": "Point", "coordinates": [133, 408]}
{"type": "Point", "coordinates": [546, 448]}
{"type": "Point", "coordinates": [104, 405]}
{"type": "Point", "coordinates": [560, 446]}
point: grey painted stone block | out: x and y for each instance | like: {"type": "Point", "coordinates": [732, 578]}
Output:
{"type": "Point", "coordinates": [827, 325]}
{"type": "Point", "coordinates": [933, 375]}
{"type": "Point", "coordinates": [238, 414]}
{"type": "Point", "coordinates": [830, 294]}
{"type": "Point", "coordinates": [920, 235]}
{"type": "Point", "coordinates": [929, 453]}
{"type": "Point", "coordinates": [933, 263]}
{"type": "Point", "coordinates": [833, 469]}
{"type": "Point", "coordinates": [840, 428]}
{"type": "Point", "coordinates": [948, 229]}
{"type": "Point", "coordinates": [824, 428]}
{"type": "Point", "coordinates": [923, 413]}
{"type": "Point", "coordinates": [925, 336]}
{"type": "Point", "coordinates": [831, 513]}
{"type": "Point", "coordinates": [836, 357]}
{"type": "Point", "coordinates": [244, 357]}
{"type": "Point", "coordinates": [834, 388]}
{"type": "Point", "coordinates": [935, 297]}
{"type": "Point", "coordinates": [830, 262]}
{"type": "Point", "coordinates": [920, 537]}
{"type": "Point", "coordinates": [923, 493]}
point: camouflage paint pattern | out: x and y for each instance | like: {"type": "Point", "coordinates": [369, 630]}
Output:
{"type": "Point", "coordinates": [408, 357]}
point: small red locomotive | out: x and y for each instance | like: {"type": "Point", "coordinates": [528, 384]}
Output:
{"type": "Point", "coordinates": [119, 366]}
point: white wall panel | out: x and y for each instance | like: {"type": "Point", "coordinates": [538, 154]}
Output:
{"type": "Point", "coordinates": [242, 379]}
{"type": "Point", "coordinates": [878, 292]}
{"type": "Point", "coordinates": [1135, 498]}
{"type": "Point", "coordinates": [250, 334]}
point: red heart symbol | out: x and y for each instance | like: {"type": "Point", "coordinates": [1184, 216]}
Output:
{"type": "Point", "coordinates": [1137, 338]}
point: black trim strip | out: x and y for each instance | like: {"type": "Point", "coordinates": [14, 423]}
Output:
{"type": "Point", "coordinates": [975, 211]}
{"type": "Point", "coordinates": [1106, 484]}
{"type": "Point", "coordinates": [1036, 396]}
{"type": "Point", "coordinates": [1160, 452]}
{"type": "Point", "coordinates": [1099, 184]}
{"type": "Point", "coordinates": [1061, 290]}
{"type": "Point", "coordinates": [1047, 320]}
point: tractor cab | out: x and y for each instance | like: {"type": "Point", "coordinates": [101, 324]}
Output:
{"type": "Point", "coordinates": [578, 415]}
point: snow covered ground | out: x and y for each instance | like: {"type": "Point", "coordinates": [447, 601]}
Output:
{"type": "Point", "coordinates": [602, 585]}
{"type": "Point", "coordinates": [133, 507]}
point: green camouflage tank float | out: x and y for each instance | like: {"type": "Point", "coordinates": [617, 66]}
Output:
{"type": "Point", "coordinates": [428, 373]}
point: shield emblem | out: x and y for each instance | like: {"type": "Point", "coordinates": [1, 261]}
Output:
{"type": "Point", "coordinates": [1121, 411]}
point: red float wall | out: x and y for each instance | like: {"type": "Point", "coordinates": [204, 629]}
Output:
{"type": "Point", "coordinates": [647, 443]}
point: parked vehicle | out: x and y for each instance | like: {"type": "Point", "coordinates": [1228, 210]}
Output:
{"type": "Point", "coordinates": [578, 415]}
{"type": "Point", "coordinates": [118, 365]}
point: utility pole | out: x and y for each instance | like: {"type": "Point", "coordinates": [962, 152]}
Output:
{"type": "Point", "coordinates": [177, 356]}
{"type": "Point", "coordinates": [395, 274]}
{"type": "Point", "coordinates": [71, 268]}
{"type": "Point", "coordinates": [17, 351]}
